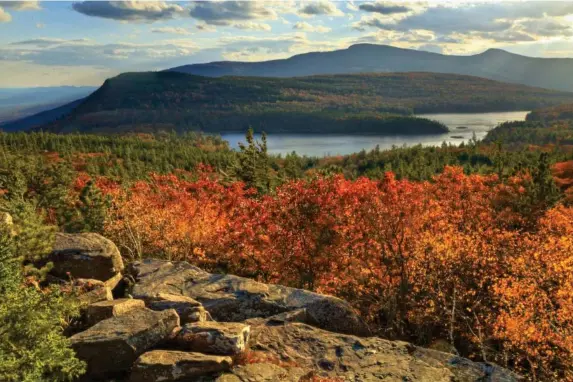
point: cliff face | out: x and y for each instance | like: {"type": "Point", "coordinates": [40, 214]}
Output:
{"type": "Point", "coordinates": [180, 323]}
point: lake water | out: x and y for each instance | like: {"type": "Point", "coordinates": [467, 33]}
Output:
{"type": "Point", "coordinates": [325, 144]}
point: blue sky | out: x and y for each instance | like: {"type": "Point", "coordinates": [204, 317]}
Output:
{"type": "Point", "coordinates": [53, 43]}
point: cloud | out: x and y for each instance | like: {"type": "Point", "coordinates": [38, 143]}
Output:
{"type": "Point", "coordinates": [505, 36]}
{"type": "Point", "coordinates": [225, 12]}
{"type": "Point", "coordinates": [78, 52]}
{"type": "Point", "coordinates": [322, 7]}
{"type": "Point", "coordinates": [306, 27]}
{"type": "Point", "coordinates": [384, 8]}
{"type": "Point", "coordinates": [546, 27]}
{"type": "Point", "coordinates": [171, 30]}
{"type": "Point", "coordinates": [40, 25]}
{"type": "Point", "coordinates": [249, 25]}
{"type": "Point", "coordinates": [141, 11]}
{"type": "Point", "coordinates": [21, 5]}
{"type": "Point", "coordinates": [205, 28]}
{"type": "Point", "coordinates": [4, 16]}
{"type": "Point", "coordinates": [431, 48]}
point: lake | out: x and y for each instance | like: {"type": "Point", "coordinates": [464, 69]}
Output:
{"type": "Point", "coordinates": [326, 145]}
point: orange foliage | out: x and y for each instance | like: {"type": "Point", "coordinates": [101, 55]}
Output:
{"type": "Point", "coordinates": [563, 175]}
{"type": "Point", "coordinates": [451, 258]}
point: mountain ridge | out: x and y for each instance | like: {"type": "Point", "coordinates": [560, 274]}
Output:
{"type": "Point", "coordinates": [495, 64]}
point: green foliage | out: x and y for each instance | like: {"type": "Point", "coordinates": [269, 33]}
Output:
{"type": "Point", "coordinates": [32, 347]}
{"type": "Point", "coordinates": [253, 163]}
{"type": "Point", "coordinates": [90, 212]}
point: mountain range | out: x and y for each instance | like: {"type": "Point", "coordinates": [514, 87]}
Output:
{"type": "Point", "coordinates": [349, 90]}
{"type": "Point", "coordinates": [495, 64]}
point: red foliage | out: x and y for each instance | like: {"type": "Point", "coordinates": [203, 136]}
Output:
{"type": "Point", "coordinates": [420, 260]}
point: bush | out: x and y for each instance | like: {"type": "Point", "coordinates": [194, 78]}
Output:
{"type": "Point", "coordinates": [32, 347]}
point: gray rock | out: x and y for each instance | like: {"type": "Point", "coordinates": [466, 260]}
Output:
{"type": "Point", "coordinates": [112, 345]}
{"type": "Point", "coordinates": [85, 255]}
{"type": "Point", "coordinates": [103, 310]}
{"type": "Point", "coordinates": [233, 298]}
{"type": "Point", "coordinates": [167, 366]}
{"type": "Point", "coordinates": [352, 358]}
{"type": "Point", "coordinates": [263, 372]}
{"type": "Point", "coordinates": [189, 310]}
{"type": "Point", "coordinates": [222, 338]}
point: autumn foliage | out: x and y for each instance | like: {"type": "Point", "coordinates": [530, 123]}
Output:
{"type": "Point", "coordinates": [457, 258]}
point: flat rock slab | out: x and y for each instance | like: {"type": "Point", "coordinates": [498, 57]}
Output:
{"type": "Point", "coordinates": [188, 309]}
{"type": "Point", "coordinates": [112, 345]}
{"type": "Point", "coordinates": [263, 372]}
{"type": "Point", "coordinates": [167, 366]}
{"type": "Point", "coordinates": [221, 338]}
{"type": "Point", "coordinates": [352, 358]}
{"type": "Point", "coordinates": [85, 255]}
{"type": "Point", "coordinates": [103, 310]}
{"type": "Point", "coordinates": [233, 298]}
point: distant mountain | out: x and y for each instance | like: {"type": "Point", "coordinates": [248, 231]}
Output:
{"type": "Point", "coordinates": [41, 118]}
{"type": "Point", "coordinates": [382, 103]}
{"type": "Point", "coordinates": [495, 64]}
{"type": "Point", "coordinates": [16, 103]}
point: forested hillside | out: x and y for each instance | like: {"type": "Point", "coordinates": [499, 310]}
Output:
{"type": "Point", "coordinates": [551, 126]}
{"type": "Point", "coordinates": [369, 103]}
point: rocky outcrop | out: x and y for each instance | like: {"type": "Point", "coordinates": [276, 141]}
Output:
{"type": "Point", "coordinates": [222, 338]}
{"type": "Point", "coordinates": [188, 309]}
{"type": "Point", "coordinates": [113, 345]}
{"type": "Point", "coordinates": [233, 298]}
{"type": "Point", "coordinates": [352, 358]}
{"type": "Point", "coordinates": [264, 372]}
{"type": "Point", "coordinates": [103, 310]}
{"type": "Point", "coordinates": [167, 366]}
{"type": "Point", "coordinates": [86, 256]}
{"type": "Point", "coordinates": [261, 332]}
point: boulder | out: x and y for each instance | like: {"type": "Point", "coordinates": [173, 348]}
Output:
{"type": "Point", "coordinates": [96, 295]}
{"type": "Point", "coordinates": [188, 309]}
{"type": "Point", "coordinates": [263, 372]}
{"type": "Point", "coordinates": [111, 346]}
{"type": "Point", "coordinates": [351, 358]}
{"type": "Point", "coordinates": [166, 366]}
{"type": "Point", "coordinates": [103, 310]}
{"type": "Point", "coordinates": [222, 338]}
{"type": "Point", "coordinates": [233, 298]}
{"type": "Point", "coordinates": [86, 255]}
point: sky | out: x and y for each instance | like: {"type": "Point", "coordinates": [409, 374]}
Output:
{"type": "Point", "coordinates": [54, 43]}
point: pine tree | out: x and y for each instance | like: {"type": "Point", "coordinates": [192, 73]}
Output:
{"type": "Point", "coordinates": [32, 347]}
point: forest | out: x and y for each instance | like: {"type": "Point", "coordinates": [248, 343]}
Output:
{"type": "Point", "coordinates": [469, 244]}
{"type": "Point", "coordinates": [382, 103]}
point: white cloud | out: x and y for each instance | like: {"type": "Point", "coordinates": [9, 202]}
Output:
{"type": "Point", "coordinates": [249, 25]}
{"type": "Point", "coordinates": [21, 5]}
{"type": "Point", "coordinates": [225, 12]}
{"type": "Point", "coordinates": [4, 16]}
{"type": "Point", "coordinates": [171, 30]}
{"type": "Point", "coordinates": [306, 27]}
{"type": "Point", "coordinates": [321, 7]}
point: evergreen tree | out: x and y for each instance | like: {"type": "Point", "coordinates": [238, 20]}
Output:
{"type": "Point", "coordinates": [32, 347]}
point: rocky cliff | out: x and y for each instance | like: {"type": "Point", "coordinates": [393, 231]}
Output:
{"type": "Point", "coordinates": [157, 320]}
